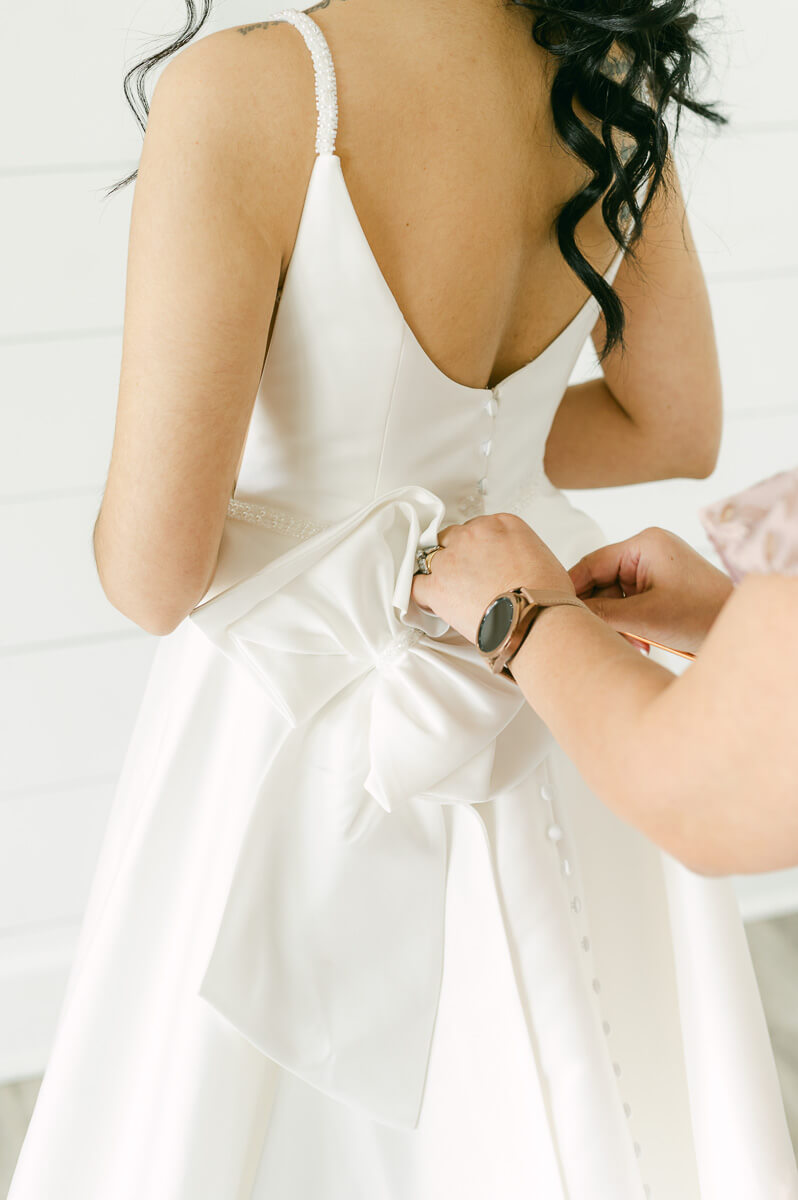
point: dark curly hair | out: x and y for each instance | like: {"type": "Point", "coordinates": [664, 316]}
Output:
{"type": "Point", "coordinates": [625, 62]}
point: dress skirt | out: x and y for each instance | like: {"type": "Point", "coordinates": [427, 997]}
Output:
{"type": "Point", "coordinates": [360, 931]}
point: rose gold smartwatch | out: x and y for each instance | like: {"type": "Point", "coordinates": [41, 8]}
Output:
{"type": "Point", "coordinates": [508, 619]}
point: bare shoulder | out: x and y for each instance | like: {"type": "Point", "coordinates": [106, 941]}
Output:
{"type": "Point", "coordinates": [243, 99]}
{"type": "Point", "coordinates": [267, 64]}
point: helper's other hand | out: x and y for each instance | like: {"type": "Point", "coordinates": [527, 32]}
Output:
{"type": "Point", "coordinates": [654, 584]}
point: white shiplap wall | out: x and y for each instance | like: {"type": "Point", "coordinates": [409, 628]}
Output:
{"type": "Point", "coordinates": [72, 670]}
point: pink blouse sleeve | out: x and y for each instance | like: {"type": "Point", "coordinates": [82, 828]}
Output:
{"type": "Point", "coordinates": [756, 530]}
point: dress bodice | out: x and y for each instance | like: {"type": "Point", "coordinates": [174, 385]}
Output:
{"type": "Point", "coordinates": [350, 406]}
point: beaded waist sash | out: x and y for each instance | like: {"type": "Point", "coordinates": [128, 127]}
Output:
{"type": "Point", "coordinates": [272, 517]}
{"type": "Point", "coordinates": [294, 525]}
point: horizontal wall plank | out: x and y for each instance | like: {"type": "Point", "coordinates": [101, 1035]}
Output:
{"type": "Point", "coordinates": [49, 842]}
{"type": "Point", "coordinates": [67, 713]}
{"type": "Point", "coordinates": [82, 53]}
{"type": "Point", "coordinates": [48, 544]}
{"type": "Point", "coordinates": [753, 448]}
{"type": "Point", "coordinates": [67, 83]}
{"type": "Point", "coordinates": [64, 253]}
{"type": "Point", "coordinates": [772, 894]}
{"type": "Point", "coordinates": [739, 188]}
{"type": "Point", "coordinates": [71, 107]}
{"type": "Point", "coordinates": [58, 418]}
{"type": "Point", "coordinates": [751, 50]}
{"type": "Point", "coordinates": [754, 326]}
{"type": "Point", "coordinates": [34, 967]}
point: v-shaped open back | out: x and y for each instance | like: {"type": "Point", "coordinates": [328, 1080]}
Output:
{"type": "Point", "coordinates": [350, 404]}
{"type": "Point", "coordinates": [326, 131]}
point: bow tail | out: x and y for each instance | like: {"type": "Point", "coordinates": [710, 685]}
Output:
{"type": "Point", "coordinates": [328, 956]}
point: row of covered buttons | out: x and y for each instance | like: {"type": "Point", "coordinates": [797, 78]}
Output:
{"type": "Point", "coordinates": [472, 503]}
{"type": "Point", "coordinates": [491, 408]}
{"type": "Point", "coordinates": [555, 835]}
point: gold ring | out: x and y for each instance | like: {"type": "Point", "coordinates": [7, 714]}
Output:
{"type": "Point", "coordinates": [422, 560]}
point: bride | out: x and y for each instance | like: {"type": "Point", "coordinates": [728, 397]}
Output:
{"type": "Point", "coordinates": [358, 927]}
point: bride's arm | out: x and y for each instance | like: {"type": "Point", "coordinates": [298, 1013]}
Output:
{"type": "Point", "coordinates": [210, 217]}
{"type": "Point", "coordinates": [656, 411]}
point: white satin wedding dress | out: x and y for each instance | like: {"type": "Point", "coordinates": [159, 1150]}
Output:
{"type": "Point", "coordinates": [358, 930]}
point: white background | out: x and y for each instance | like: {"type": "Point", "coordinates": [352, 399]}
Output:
{"type": "Point", "coordinates": [72, 669]}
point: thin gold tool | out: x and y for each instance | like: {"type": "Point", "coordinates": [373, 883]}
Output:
{"type": "Point", "coordinates": [659, 645]}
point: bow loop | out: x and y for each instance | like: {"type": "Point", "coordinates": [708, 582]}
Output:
{"type": "Point", "coordinates": [437, 712]}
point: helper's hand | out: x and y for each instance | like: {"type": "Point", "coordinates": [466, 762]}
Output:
{"type": "Point", "coordinates": [481, 558]}
{"type": "Point", "coordinates": [654, 584]}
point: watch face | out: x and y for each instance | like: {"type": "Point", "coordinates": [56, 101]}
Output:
{"type": "Point", "coordinates": [496, 624]}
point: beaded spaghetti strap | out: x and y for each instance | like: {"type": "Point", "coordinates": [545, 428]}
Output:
{"type": "Point", "coordinates": [326, 92]}
{"type": "Point", "coordinates": [326, 129]}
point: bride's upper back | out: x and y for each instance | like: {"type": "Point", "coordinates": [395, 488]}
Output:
{"type": "Point", "coordinates": [447, 143]}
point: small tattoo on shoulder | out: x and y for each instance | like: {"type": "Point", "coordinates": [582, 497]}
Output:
{"type": "Point", "coordinates": [245, 29]}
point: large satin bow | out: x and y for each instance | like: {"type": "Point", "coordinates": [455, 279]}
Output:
{"type": "Point", "coordinates": [328, 956]}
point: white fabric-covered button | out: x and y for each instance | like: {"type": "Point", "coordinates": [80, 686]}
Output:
{"type": "Point", "coordinates": [554, 833]}
{"type": "Point", "coordinates": [576, 904]}
{"type": "Point", "coordinates": [486, 447]}
{"type": "Point", "coordinates": [482, 486]}
{"type": "Point", "coordinates": [470, 505]}
{"type": "Point", "coordinates": [605, 1025]}
{"type": "Point", "coordinates": [617, 1069]}
{"type": "Point", "coordinates": [545, 795]}
{"type": "Point", "coordinates": [596, 986]}
{"type": "Point", "coordinates": [491, 406]}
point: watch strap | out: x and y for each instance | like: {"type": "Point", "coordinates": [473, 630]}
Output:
{"type": "Point", "coordinates": [535, 601]}
{"type": "Point", "coordinates": [544, 598]}
{"type": "Point", "coordinates": [540, 599]}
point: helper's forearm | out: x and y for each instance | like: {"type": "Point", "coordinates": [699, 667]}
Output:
{"type": "Point", "coordinates": [594, 443]}
{"type": "Point", "coordinates": [593, 690]}
{"type": "Point", "coordinates": [704, 763]}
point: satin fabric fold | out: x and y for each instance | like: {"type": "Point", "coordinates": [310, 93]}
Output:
{"type": "Point", "coordinates": [328, 955]}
